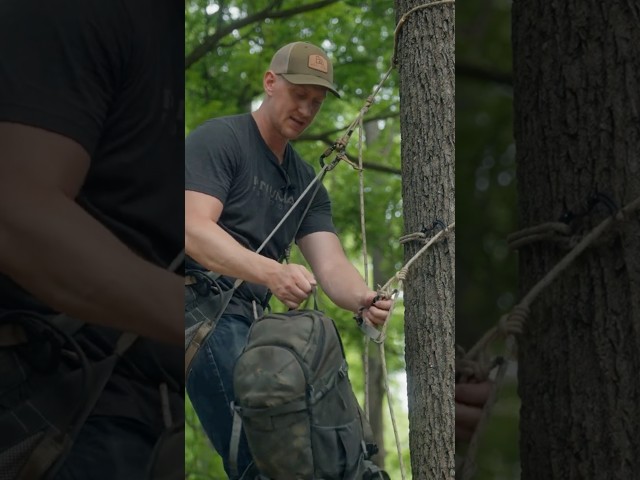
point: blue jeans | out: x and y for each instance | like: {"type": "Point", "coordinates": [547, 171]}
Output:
{"type": "Point", "coordinates": [109, 448]}
{"type": "Point", "coordinates": [210, 386]}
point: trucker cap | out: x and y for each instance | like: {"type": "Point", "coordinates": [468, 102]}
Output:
{"type": "Point", "coordinates": [302, 63]}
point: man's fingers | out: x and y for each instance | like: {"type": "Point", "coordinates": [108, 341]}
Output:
{"type": "Point", "coordinates": [463, 434]}
{"type": "Point", "coordinates": [291, 304]}
{"type": "Point", "coordinates": [305, 275]}
{"type": "Point", "coordinates": [376, 315]}
{"type": "Point", "coordinates": [383, 304]}
{"type": "Point", "coordinates": [473, 393]}
{"type": "Point", "coordinates": [467, 417]}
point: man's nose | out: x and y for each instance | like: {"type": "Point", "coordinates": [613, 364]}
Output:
{"type": "Point", "coordinates": [305, 109]}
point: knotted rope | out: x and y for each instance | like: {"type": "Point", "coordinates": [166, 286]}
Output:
{"type": "Point", "coordinates": [339, 149]}
{"type": "Point", "coordinates": [512, 324]}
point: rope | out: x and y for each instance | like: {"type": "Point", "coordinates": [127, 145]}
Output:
{"type": "Point", "coordinates": [402, 273]}
{"type": "Point", "coordinates": [399, 277]}
{"type": "Point", "coordinates": [552, 231]}
{"type": "Point", "coordinates": [365, 263]}
{"type": "Point", "coordinates": [512, 324]}
{"type": "Point", "coordinates": [339, 148]}
{"type": "Point", "coordinates": [340, 145]}
{"type": "Point", "coordinates": [403, 19]}
{"type": "Point", "coordinates": [391, 413]}
{"type": "Point", "coordinates": [318, 177]}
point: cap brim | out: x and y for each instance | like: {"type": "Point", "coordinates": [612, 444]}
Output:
{"type": "Point", "coordinates": [302, 79]}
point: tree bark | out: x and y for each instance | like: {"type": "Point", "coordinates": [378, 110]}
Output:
{"type": "Point", "coordinates": [426, 68]}
{"type": "Point", "coordinates": [576, 77]}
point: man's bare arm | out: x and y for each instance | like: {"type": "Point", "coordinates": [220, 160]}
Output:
{"type": "Point", "coordinates": [216, 250]}
{"type": "Point", "coordinates": [56, 251]}
{"type": "Point", "coordinates": [339, 278]}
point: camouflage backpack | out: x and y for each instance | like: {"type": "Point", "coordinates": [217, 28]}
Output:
{"type": "Point", "coordinates": [296, 405]}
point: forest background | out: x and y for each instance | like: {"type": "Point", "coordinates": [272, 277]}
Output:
{"type": "Point", "coordinates": [228, 46]}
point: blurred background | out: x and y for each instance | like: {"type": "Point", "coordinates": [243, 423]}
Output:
{"type": "Point", "coordinates": [486, 280]}
{"type": "Point", "coordinates": [228, 46]}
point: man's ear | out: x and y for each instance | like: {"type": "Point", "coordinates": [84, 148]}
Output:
{"type": "Point", "coordinates": [269, 81]}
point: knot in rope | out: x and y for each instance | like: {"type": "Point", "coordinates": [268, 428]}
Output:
{"type": "Point", "coordinates": [342, 142]}
{"type": "Point", "coordinates": [412, 236]}
{"type": "Point", "coordinates": [477, 367]}
{"type": "Point", "coordinates": [367, 104]}
{"type": "Point", "coordinates": [549, 231]}
{"type": "Point", "coordinates": [513, 322]}
{"type": "Point", "coordinates": [467, 368]}
{"type": "Point", "coordinates": [335, 161]}
{"type": "Point", "coordinates": [402, 274]}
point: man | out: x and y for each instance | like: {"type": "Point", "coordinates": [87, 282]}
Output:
{"type": "Point", "coordinates": [241, 177]}
{"type": "Point", "coordinates": [470, 399]}
{"type": "Point", "coordinates": [90, 141]}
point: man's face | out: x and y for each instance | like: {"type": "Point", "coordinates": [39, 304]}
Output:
{"type": "Point", "coordinates": [295, 106]}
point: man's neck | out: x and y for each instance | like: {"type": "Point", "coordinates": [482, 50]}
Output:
{"type": "Point", "coordinates": [276, 143]}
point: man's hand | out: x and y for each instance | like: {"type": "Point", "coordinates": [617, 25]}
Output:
{"type": "Point", "coordinates": [376, 312]}
{"type": "Point", "coordinates": [470, 400]}
{"type": "Point", "coordinates": [292, 285]}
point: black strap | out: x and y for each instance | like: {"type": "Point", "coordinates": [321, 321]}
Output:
{"type": "Point", "coordinates": [44, 459]}
{"type": "Point", "coordinates": [197, 334]}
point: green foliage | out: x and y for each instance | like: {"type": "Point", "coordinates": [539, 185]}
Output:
{"type": "Point", "coordinates": [227, 79]}
{"type": "Point", "coordinates": [486, 206]}
{"type": "Point", "coordinates": [359, 37]}
{"type": "Point", "coordinates": [201, 463]}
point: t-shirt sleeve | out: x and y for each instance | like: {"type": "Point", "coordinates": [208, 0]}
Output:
{"type": "Point", "coordinates": [61, 63]}
{"type": "Point", "coordinates": [210, 165]}
{"type": "Point", "coordinates": [318, 218]}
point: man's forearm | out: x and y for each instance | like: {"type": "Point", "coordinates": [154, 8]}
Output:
{"type": "Point", "coordinates": [55, 250]}
{"type": "Point", "coordinates": [345, 286]}
{"type": "Point", "coordinates": [219, 252]}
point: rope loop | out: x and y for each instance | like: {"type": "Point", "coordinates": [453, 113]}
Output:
{"type": "Point", "coordinates": [412, 236]}
{"type": "Point", "coordinates": [550, 231]}
{"type": "Point", "coordinates": [513, 322]}
{"type": "Point", "coordinates": [402, 274]}
{"type": "Point", "coordinates": [468, 369]}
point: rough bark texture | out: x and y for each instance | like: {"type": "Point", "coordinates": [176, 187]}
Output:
{"type": "Point", "coordinates": [577, 129]}
{"type": "Point", "coordinates": [427, 89]}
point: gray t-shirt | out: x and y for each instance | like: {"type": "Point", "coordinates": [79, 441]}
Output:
{"type": "Point", "coordinates": [227, 158]}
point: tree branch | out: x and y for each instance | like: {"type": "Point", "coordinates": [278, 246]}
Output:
{"type": "Point", "coordinates": [324, 135]}
{"type": "Point", "coordinates": [210, 42]}
{"type": "Point", "coordinates": [366, 165]}
{"type": "Point", "coordinates": [476, 72]}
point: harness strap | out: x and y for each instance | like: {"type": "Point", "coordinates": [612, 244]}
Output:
{"type": "Point", "coordinates": [234, 443]}
{"type": "Point", "coordinates": [60, 436]}
{"type": "Point", "coordinates": [202, 330]}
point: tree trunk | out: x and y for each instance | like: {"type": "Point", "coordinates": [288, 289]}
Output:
{"type": "Point", "coordinates": [576, 77]}
{"type": "Point", "coordinates": [426, 69]}
{"type": "Point", "coordinates": [376, 379]}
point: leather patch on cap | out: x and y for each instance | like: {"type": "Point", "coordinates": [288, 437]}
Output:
{"type": "Point", "coordinates": [317, 62]}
